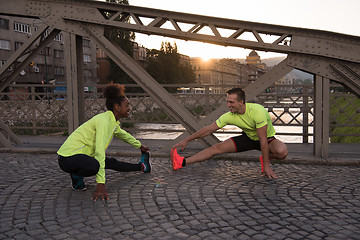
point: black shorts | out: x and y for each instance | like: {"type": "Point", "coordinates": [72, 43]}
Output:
{"type": "Point", "coordinates": [244, 143]}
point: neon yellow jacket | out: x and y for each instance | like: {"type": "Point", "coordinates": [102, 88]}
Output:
{"type": "Point", "coordinates": [93, 137]}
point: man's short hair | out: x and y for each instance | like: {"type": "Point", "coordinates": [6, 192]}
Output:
{"type": "Point", "coordinates": [239, 92]}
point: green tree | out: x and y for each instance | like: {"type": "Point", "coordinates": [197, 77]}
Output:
{"type": "Point", "coordinates": [166, 66]}
{"type": "Point", "coordinates": [124, 39]}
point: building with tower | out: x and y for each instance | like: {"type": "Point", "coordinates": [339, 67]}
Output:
{"type": "Point", "coordinates": [254, 60]}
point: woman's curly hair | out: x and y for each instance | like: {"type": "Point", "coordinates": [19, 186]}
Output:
{"type": "Point", "coordinates": [114, 93]}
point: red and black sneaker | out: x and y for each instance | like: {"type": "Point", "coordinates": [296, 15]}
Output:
{"type": "Point", "coordinates": [176, 159]}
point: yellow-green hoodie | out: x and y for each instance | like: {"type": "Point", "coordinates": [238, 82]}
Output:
{"type": "Point", "coordinates": [93, 137]}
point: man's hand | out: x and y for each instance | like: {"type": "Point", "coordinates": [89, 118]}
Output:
{"type": "Point", "coordinates": [269, 172]}
{"type": "Point", "coordinates": [181, 144]}
{"type": "Point", "coordinates": [144, 148]}
{"type": "Point", "coordinates": [100, 192]}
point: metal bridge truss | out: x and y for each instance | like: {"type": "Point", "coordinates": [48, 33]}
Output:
{"type": "Point", "coordinates": [327, 55]}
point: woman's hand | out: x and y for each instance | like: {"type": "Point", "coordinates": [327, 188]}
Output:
{"type": "Point", "coordinates": [100, 192]}
{"type": "Point", "coordinates": [144, 148]}
{"type": "Point", "coordinates": [181, 144]}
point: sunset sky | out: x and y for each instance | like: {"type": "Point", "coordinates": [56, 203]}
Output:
{"type": "Point", "coordinates": [330, 15]}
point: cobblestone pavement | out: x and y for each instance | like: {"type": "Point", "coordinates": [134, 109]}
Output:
{"type": "Point", "coordinates": [211, 200]}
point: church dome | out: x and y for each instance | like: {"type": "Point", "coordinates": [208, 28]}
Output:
{"type": "Point", "coordinates": [253, 53]}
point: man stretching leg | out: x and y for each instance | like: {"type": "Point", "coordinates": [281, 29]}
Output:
{"type": "Point", "coordinates": [258, 133]}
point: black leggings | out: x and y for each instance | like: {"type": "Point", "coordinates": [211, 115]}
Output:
{"type": "Point", "coordinates": [86, 166]}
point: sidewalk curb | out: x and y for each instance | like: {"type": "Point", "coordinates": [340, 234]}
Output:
{"type": "Point", "coordinates": [242, 157]}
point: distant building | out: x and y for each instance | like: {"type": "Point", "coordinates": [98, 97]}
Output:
{"type": "Point", "coordinates": [185, 59]}
{"type": "Point", "coordinates": [104, 66]}
{"type": "Point", "coordinates": [254, 60]}
{"type": "Point", "coordinates": [49, 65]}
{"type": "Point", "coordinates": [216, 72]}
{"type": "Point", "coordinates": [139, 55]}
{"type": "Point", "coordinates": [228, 71]}
{"type": "Point", "coordinates": [254, 67]}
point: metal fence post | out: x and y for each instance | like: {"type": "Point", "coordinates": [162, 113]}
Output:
{"type": "Point", "coordinates": [321, 131]}
{"type": "Point", "coordinates": [207, 100]}
{"type": "Point", "coordinates": [33, 107]}
{"type": "Point", "coordinates": [305, 114]}
{"type": "Point", "coordinates": [80, 78]}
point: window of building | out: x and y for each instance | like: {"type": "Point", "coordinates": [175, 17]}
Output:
{"type": "Point", "coordinates": [18, 45]}
{"type": "Point", "coordinates": [45, 51]}
{"type": "Point", "coordinates": [87, 58]}
{"type": "Point", "coordinates": [4, 23]}
{"type": "Point", "coordinates": [87, 73]}
{"type": "Point", "coordinates": [59, 54]}
{"type": "Point", "coordinates": [47, 32]}
{"type": "Point", "coordinates": [42, 68]}
{"type": "Point", "coordinates": [5, 44]}
{"type": "Point", "coordinates": [86, 42]}
{"type": "Point", "coordinates": [59, 38]}
{"type": "Point", "coordinates": [2, 62]}
{"type": "Point", "coordinates": [22, 28]}
{"type": "Point", "coordinates": [59, 71]}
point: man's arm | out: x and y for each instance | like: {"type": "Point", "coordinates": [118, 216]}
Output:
{"type": "Point", "coordinates": [264, 146]}
{"type": "Point", "coordinates": [203, 132]}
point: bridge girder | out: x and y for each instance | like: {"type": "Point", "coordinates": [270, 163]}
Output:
{"type": "Point", "coordinates": [226, 32]}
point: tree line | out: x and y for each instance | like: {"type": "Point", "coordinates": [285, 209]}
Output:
{"type": "Point", "coordinates": [164, 65]}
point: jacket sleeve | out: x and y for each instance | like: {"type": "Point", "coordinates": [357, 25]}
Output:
{"type": "Point", "coordinates": [100, 146]}
{"type": "Point", "coordinates": [126, 137]}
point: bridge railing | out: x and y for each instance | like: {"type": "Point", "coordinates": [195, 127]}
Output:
{"type": "Point", "coordinates": [42, 109]}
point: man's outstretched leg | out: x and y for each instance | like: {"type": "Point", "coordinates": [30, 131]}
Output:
{"type": "Point", "coordinates": [223, 147]}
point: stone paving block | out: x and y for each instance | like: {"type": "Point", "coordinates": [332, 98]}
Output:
{"type": "Point", "coordinates": [194, 238]}
{"type": "Point", "coordinates": [184, 227]}
{"type": "Point", "coordinates": [189, 231]}
{"type": "Point", "coordinates": [139, 236]}
{"type": "Point", "coordinates": [61, 236]}
{"type": "Point", "coordinates": [205, 234]}
{"type": "Point", "coordinates": [250, 232]}
{"type": "Point", "coordinates": [20, 236]}
{"type": "Point", "coordinates": [243, 237]}
{"type": "Point", "coordinates": [260, 236]}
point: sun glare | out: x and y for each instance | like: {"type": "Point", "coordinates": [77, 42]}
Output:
{"type": "Point", "coordinates": [205, 59]}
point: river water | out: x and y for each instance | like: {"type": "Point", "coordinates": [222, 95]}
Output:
{"type": "Point", "coordinates": [171, 131]}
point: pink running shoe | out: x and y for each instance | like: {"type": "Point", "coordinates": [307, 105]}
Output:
{"type": "Point", "coordinates": [176, 159]}
{"type": "Point", "coordinates": [262, 163]}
